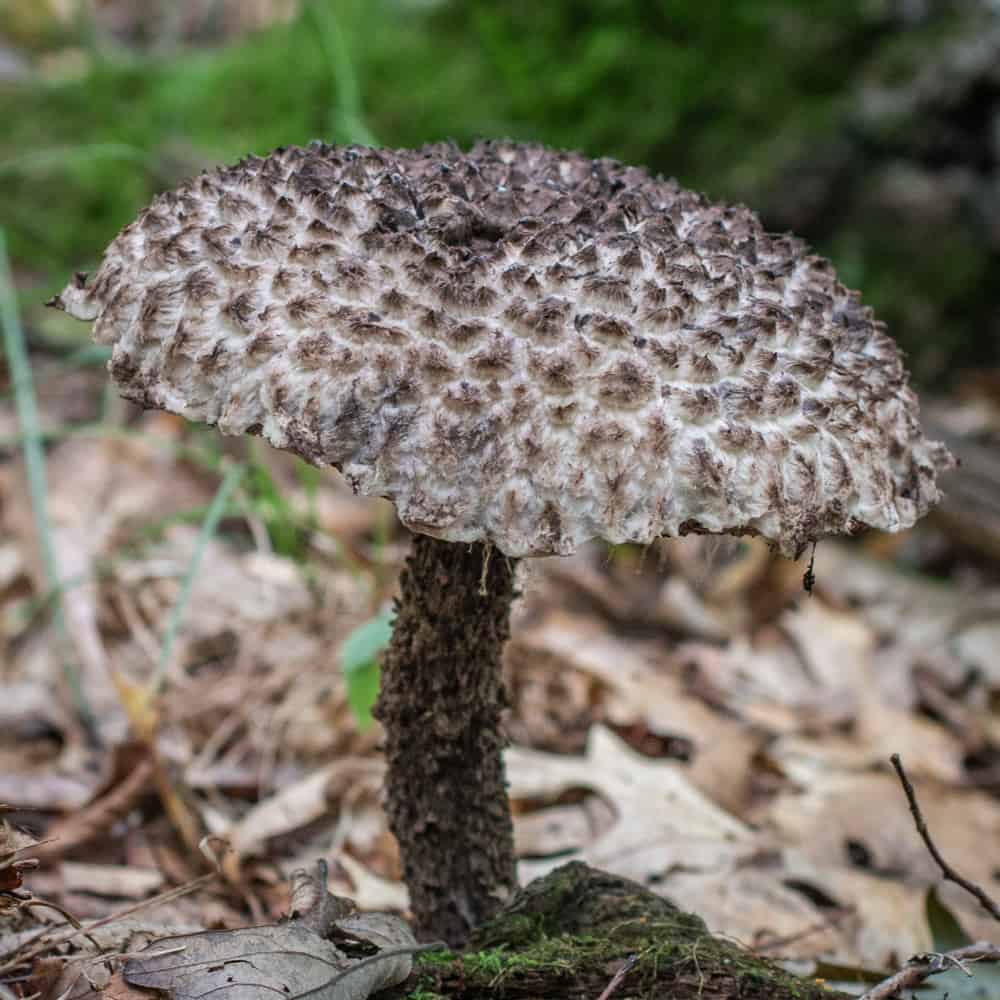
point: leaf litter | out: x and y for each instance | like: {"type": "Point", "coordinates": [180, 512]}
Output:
{"type": "Point", "coordinates": [685, 716]}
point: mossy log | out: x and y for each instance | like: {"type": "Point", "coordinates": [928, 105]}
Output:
{"type": "Point", "coordinates": [567, 934]}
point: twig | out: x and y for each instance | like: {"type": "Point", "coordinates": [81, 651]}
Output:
{"type": "Point", "coordinates": [922, 967]}
{"type": "Point", "coordinates": [949, 873]}
{"type": "Point", "coordinates": [616, 979]}
{"type": "Point", "coordinates": [43, 943]}
{"type": "Point", "coordinates": [91, 821]}
{"type": "Point", "coordinates": [30, 904]}
{"type": "Point", "coordinates": [760, 947]}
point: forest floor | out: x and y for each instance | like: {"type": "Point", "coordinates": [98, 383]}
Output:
{"type": "Point", "coordinates": [687, 717]}
{"type": "Point", "coordinates": [189, 631]}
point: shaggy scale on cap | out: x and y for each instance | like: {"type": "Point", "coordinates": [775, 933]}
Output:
{"type": "Point", "coordinates": [518, 346]}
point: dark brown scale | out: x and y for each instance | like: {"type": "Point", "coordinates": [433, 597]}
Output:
{"type": "Point", "coordinates": [466, 295]}
{"type": "Point", "coordinates": [613, 291]}
{"type": "Point", "coordinates": [242, 309]}
{"type": "Point", "coordinates": [463, 335]}
{"type": "Point", "coordinates": [556, 370]}
{"type": "Point", "coordinates": [628, 384]}
{"type": "Point", "coordinates": [396, 303]}
{"type": "Point", "coordinates": [586, 258]}
{"type": "Point", "coordinates": [703, 368]}
{"type": "Point", "coordinates": [219, 241]}
{"type": "Point", "coordinates": [698, 405]}
{"type": "Point", "coordinates": [157, 299]}
{"type": "Point", "coordinates": [313, 350]}
{"type": "Point", "coordinates": [234, 208]}
{"type": "Point", "coordinates": [216, 360]}
{"type": "Point", "coordinates": [306, 308]}
{"type": "Point", "coordinates": [319, 230]}
{"type": "Point", "coordinates": [708, 472]}
{"type": "Point", "coordinates": [200, 285]}
{"type": "Point", "coordinates": [434, 360]}
{"type": "Point", "coordinates": [610, 328]}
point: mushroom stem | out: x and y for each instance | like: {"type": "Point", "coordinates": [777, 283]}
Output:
{"type": "Point", "coordinates": [441, 700]}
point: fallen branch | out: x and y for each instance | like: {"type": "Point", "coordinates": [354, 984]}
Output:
{"type": "Point", "coordinates": [949, 873]}
{"type": "Point", "coordinates": [921, 967]}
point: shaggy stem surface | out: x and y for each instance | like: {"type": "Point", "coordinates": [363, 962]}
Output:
{"type": "Point", "coordinates": [441, 700]}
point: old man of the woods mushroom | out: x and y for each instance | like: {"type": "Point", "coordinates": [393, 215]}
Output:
{"type": "Point", "coordinates": [523, 350]}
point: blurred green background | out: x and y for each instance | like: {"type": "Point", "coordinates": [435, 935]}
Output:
{"type": "Point", "coordinates": [872, 127]}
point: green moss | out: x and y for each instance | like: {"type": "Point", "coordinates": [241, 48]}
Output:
{"type": "Point", "coordinates": [571, 962]}
{"type": "Point", "coordinates": [584, 924]}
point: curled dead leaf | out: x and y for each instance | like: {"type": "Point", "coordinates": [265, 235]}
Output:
{"type": "Point", "coordinates": [325, 952]}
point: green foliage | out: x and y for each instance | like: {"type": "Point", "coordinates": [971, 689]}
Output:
{"type": "Point", "coordinates": [746, 99]}
{"type": "Point", "coordinates": [946, 931]}
{"type": "Point", "coordinates": [287, 532]}
{"type": "Point", "coordinates": [359, 662]}
{"type": "Point", "coordinates": [26, 407]}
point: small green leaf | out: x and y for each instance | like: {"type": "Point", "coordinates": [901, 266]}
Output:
{"type": "Point", "coordinates": [359, 661]}
{"type": "Point", "coordinates": [364, 644]}
{"type": "Point", "coordinates": [285, 529]}
{"type": "Point", "coordinates": [362, 690]}
{"type": "Point", "coordinates": [946, 931]}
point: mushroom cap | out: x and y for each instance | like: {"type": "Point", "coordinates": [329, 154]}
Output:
{"type": "Point", "coordinates": [517, 345]}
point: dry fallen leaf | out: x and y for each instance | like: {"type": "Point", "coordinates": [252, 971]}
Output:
{"type": "Point", "coordinates": [14, 862]}
{"type": "Point", "coordinates": [642, 687]}
{"type": "Point", "coordinates": [97, 486]}
{"type": "Point", "coordinates": [840, 819]}
{"type": "Point", "coordinates": [320, 952]}
{"type": "Point", "coordinates": [298, 805]}
{"type": "Point", "coordinates": [754, 906]}
{"type": "Point", "coordinates": [48, 789]}
{"type": "Point", "coordinates": [369, 890]}
{"type": "Point", "coordinates": [662, 820]}
{"type": "Point", "coordinates": [851, 837]}
{"type": "Point", "coordinates": [113, 881]}
{"type": "Point", "coordinates": [557, 829]}
{"type": "Point", "coordinates": [887, 921]}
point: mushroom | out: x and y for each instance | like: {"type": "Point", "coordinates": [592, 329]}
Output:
{"type": "Point", "coordinates": [523, 349]}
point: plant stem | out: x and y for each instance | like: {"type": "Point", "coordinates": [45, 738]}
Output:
{"type": "Point", "coordinates": [208, 528]}
{"type": "Point", "coordinates": [34, 463]}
